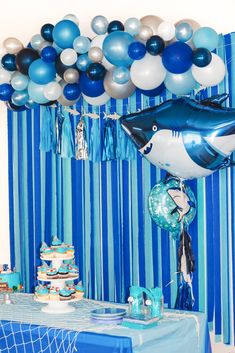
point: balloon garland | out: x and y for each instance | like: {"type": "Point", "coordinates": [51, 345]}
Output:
{"type": "Point", "coordinates": [59, 64]}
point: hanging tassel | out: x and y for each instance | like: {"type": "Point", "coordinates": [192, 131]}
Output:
{"type": "Point", "coordinates": [67, 142]}
{"type": "Point", "coordinates": [81, 147]}
{"type": "Point", "coordinates": [109, 147]}
{"type": "Point", "coordinates": [58, 129]}
{"type": "Point", "coordinates": [46, 138]}
{"type": "Point", "coordinates": [95, 150]}
{"type": "Point", "coordinates": [186, 264]}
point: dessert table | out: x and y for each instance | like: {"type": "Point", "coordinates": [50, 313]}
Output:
{"type": "Point", "coordinates": [24, 328]}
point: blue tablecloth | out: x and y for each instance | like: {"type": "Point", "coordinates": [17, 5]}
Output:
{"type": "Point", "coordinates": [25, 329]}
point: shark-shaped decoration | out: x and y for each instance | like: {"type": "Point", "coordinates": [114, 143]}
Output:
{"type": "Point", "coordinates": [189, 139]}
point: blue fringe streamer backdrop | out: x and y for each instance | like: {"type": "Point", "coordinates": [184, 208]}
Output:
{"type": "Point", "coordinates": [101, 207]}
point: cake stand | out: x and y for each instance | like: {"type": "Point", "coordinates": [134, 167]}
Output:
{"type": "Point", "coordinates": [58, 306]}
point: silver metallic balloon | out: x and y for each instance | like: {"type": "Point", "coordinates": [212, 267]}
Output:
{"type": "Point", "coordinates": [99, 24]}
{"type": "Point", "coordinates": [95, 54]}
{"type": "Point", "coordinates": [71, 75]}
{"type": "Point", "coordinates": [116, 90]}
{"type": "Point", "coordinates": [12, 45]}
{"type": "Point", "coordinates": [194, 25]}
{"type": "Point", "coordinates": [151, 21]}
{"type": "Point", "coordinates": [183, 32]}
{"type": "Point", "coordinates": [36, 41]}
{"type": "Point", "coordinates": [71, 17]}
{"type": "Point", "coordinates": [132, 26]}
{"type": "Point", "coordinates": [145, 33]}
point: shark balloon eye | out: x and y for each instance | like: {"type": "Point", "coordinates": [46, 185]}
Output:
{"type": "Point", "coordinates": [154, 128]}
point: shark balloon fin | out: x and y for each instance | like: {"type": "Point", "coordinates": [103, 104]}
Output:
{"type": "Point", "coordinates": [215, 101]}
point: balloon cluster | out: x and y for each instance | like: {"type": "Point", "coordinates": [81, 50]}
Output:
{"type": "Point", "coordinates": [60, 65]}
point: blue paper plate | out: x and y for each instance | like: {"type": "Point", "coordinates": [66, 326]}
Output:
{"type": "Point", "coordinates": [108, 312]}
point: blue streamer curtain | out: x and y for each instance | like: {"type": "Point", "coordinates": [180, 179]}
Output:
{"type": "Point", "coordinates": [101, 208]}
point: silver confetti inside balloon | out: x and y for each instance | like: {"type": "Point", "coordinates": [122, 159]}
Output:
{"type": "Point", "coordinates": [81, 147]}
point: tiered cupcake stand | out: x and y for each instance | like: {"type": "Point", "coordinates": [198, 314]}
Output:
{"type": "Point", "coordinates": [58, 306]}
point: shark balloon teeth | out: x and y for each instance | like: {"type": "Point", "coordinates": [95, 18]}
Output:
{"type": "Point", "coordinates": [187, 138]}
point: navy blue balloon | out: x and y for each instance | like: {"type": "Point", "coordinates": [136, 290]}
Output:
{"type": "Point", "coordinates": [91, 88]}
{"type": "Point", "coordinates": [155, 45]}
{"type": "Point", "coordinates": [9, 62]}
{"type": "Point", "coordinates": [17, 108]}
{"type": "Point", "coordinates": [115, 26]}
{"type": "Point", "coordinates": [202, 57]}
{"type": "Point", "coordinates": [48, 54]}
{"type": "Point", "coordinates": [61, 68]}
{"type": "Point", "coordinates": [177, 57]}
{"type": "Point", "coordinates": [6, 91]}
{"type": "Point", "coordinates": [153, 92]}
{"type": "Point", "coordinates": [72, 91]}
{"type": "Point", "coordinates": [96, 71]}
{"type": "Point", "coordinates": [136, 50]}
{"type": "Point", "coordinates": [25, 58]}
{"type": "Point", "coordinates": [46, 32]}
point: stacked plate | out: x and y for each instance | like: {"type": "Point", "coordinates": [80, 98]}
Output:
{"type": "Point", "coordinates": [108, 315]}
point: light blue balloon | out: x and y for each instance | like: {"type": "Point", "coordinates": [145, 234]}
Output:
{"type": "Point", "coordinates": [42, 72]}
{"type": "Point", "coordinates": [19, 81]}
{"type": "Point", "coordinates": [99, 24]}
{"type": "Point", "coordinates": [206, 37]}
{"type": "Point", "coordinates": [115, 48]}
{"type": "Point", "coordinates": [64, 33]}
{"type": "Point", "coordinates": [132, 26]}
{"type": "Point", "coordinates": [121, 75]}
{"type": "Point", "coordinates": [81, 44]}
{"type": "Point", "coordinates": [183, 32]}
{"type": "Point", "coordinates": [31, 104]}
{"type": "Point", "coordinates": [58, 49]}
{"type": "Point", "coordinates": [19, 98]}
{"type": "Point", "coordinates": [36, 93]}
{"type": "Point", "coordinates": [83, 62]}
{"type": "Point", "coordinates": [180, 84]}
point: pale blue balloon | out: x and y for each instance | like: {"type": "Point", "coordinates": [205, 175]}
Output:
{"type": "Point", "coordinates": [183, 32]}
{"type": "Point", "coordinates": [206, 37]}
{"type": "Point", "coordinates": [57, 48]}
{"type": "Point", "coordinates": [121, 75]}
{"type": "Point", "coordinates": [31, 104]}
{"type": "Point", "coordinates": [36, 93]}
{"type": "Point", "coordinates": [115, 48]}
{"type": "Point", "coordinates": [180, 84]}
{"type": "Point", "coordinates": [19, 98]}
{"type": "Point", "coordinates": [81, 44]}
{"type": "Point", "coordinates": [83, 62]}
{"type": "Point", "coordinates": [132, 26]}
{"type": "Point", "coordinates": [19, 81]}
{"type": "Point", "coordinates": [99, 24]}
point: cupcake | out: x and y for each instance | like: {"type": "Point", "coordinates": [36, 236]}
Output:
{"type": "Point", "coordinates": [42, 293]}
{"type": "Point", "coordinates": [61, 252]}
{"type": "Point", "coordinates": [73, 270]}
{"type": "Point", "coordinates": [72, 290]}
{"type": "Point", "coordinates": [63, 272]}
{"type": "Point", "coordinates": [55, 242]}
{"type": "Point", "coordinates": [47, 253]}
{"type": "Point", "coordinates": [42, 270]}
{"type": "Point", "coordinates": [52, 273]}
{"type": "Point", "coordinates": [54, 293]}
{"type": "Point", "coordinates": [65, 294]}
{"type": "Point", "coordinates": [79, 291]}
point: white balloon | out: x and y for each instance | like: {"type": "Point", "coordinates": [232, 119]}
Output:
{"type": "Point", "coordinates": [68, 57]}
{"type": "Point", "coordinates": [5, 76]}
{"type": "Point", "coordinates": [71, 17]}
{"type": "Point", "coordinates": [166, 30]}
{"type": "Point", "coordinates": [100, 100]}
{"type": "Point", "coordinates": [98, 42]}
{"type": "Point", "coordinates": [212, 74]}
{"type": "Point", "coordinates": [52, 91]}
{"type": "Point", "coordinates": [148, 73]}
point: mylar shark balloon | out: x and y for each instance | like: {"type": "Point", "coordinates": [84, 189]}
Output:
{"type": "Point", "coordinates": [187, 138]}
